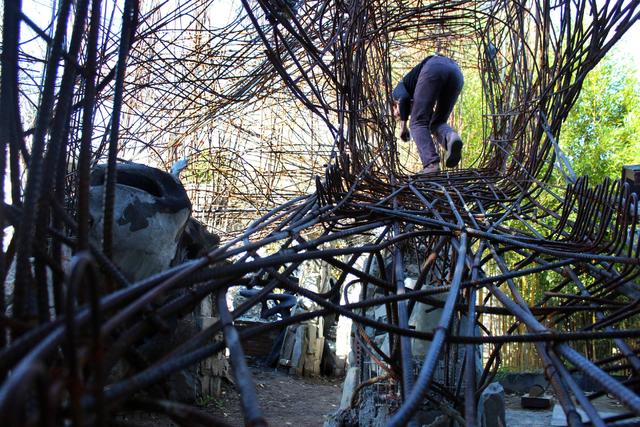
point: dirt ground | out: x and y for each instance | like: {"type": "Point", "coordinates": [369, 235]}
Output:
{"type": "Point", "coordinates": [305, 402]}
{"type": "Point", "coordinates": [285, 400]}
{"type": "Point", "coordinates": [516, 416]}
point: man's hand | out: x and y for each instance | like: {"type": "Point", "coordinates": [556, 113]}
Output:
{"type": "Point", "coordinates": [404, 134]}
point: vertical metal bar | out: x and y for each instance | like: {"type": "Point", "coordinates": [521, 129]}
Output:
{"type": "Point", "coordinates": [403, 321]}
{"type": "Point", "coordinates": [88, 104]}
{"type": "Point", "coordinates": [244, 383]}
{"type": "Point", "coordinates": [93, 285]}
{"type": "Point", "coordinates": [26, 232]}
{"type": "Point", "coordinates": [413, 401]}
{"type": "Point", "coordinates": [470, 406]}
{"type": "Point", "coordinates": [71, 349]}
{"type": "Point", "coordinates": [10, 120]}
{"type": "Point", "coordinates": [129, 17]}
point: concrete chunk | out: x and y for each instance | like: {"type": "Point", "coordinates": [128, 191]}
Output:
{"type": "Point", "coordinates": [491, 407]}
{"type": "Point", "coordinates": [350, 384]}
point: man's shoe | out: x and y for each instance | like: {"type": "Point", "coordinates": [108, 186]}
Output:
{"type": "Point", "coordinates": [454, 150]}
{"type": "Point", "coordinates": [432, 168]}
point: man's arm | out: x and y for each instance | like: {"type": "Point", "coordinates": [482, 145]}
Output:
{"type": "Point", "coordinates": [404, 105]}
{"type": "Point", "coordinates": [404, 131]}
{"type": "Point", "coordinates": [403, 108]}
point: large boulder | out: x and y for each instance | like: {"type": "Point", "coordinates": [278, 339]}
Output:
{"type": "Point", "coordinates": [151, 210]}
{"type": "Point", "coordinates": [153, 230]}
{"type": "Point", "coordinates": [491, 407]}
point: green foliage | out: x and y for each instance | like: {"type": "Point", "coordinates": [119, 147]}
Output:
{"type": "Point", "coordinates": [470, 118]}
{"type": "Point", "coordinates": [602, 131]}
{"type": "Point", "coordinates": [208, 401]}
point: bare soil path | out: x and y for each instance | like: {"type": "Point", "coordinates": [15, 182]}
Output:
{"type": "Point", "coordinates": [285, 400]}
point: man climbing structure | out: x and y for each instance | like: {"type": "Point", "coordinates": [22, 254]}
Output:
{"type": "Point", "coordinates": [428, 93]}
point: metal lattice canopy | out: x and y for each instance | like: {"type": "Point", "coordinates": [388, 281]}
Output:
{"type": "Point", "coordinates": [283, 110]}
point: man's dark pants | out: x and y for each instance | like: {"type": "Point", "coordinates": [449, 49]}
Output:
{"type": "Point", "coordinates": [437, 91]}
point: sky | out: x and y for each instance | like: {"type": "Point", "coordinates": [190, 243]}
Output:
{"type": "Point", "coordinates": [629, 46]}
{"type": "Point", "coordinates": [40, 12]}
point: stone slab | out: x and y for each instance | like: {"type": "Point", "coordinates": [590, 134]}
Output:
{"type": "Point", "coordinates": [559, 419]}
{"type": "Point", "coordinates": [535, 402]}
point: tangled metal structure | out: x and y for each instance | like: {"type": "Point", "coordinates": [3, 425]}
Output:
{"type": "Point", "coordinates": [155, 78]}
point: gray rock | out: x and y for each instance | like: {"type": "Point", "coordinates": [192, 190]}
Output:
{"type": "Point", "coordinates": [342, 418]}
{"type": "Point", "coordinates": [195, 381]}
{"type": "Point", "coordinates": [196, 241]}
{"type": "Point", "coordinates": [151, 209]}
{"type": "Point", "coordinates": [152, 230]}
{"type": "Point", "coordinates": [491, 407]}
{"type": "Point", "coordinates": [373, 411]}
{"type": "Point", "coordinates": [349, 386]}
